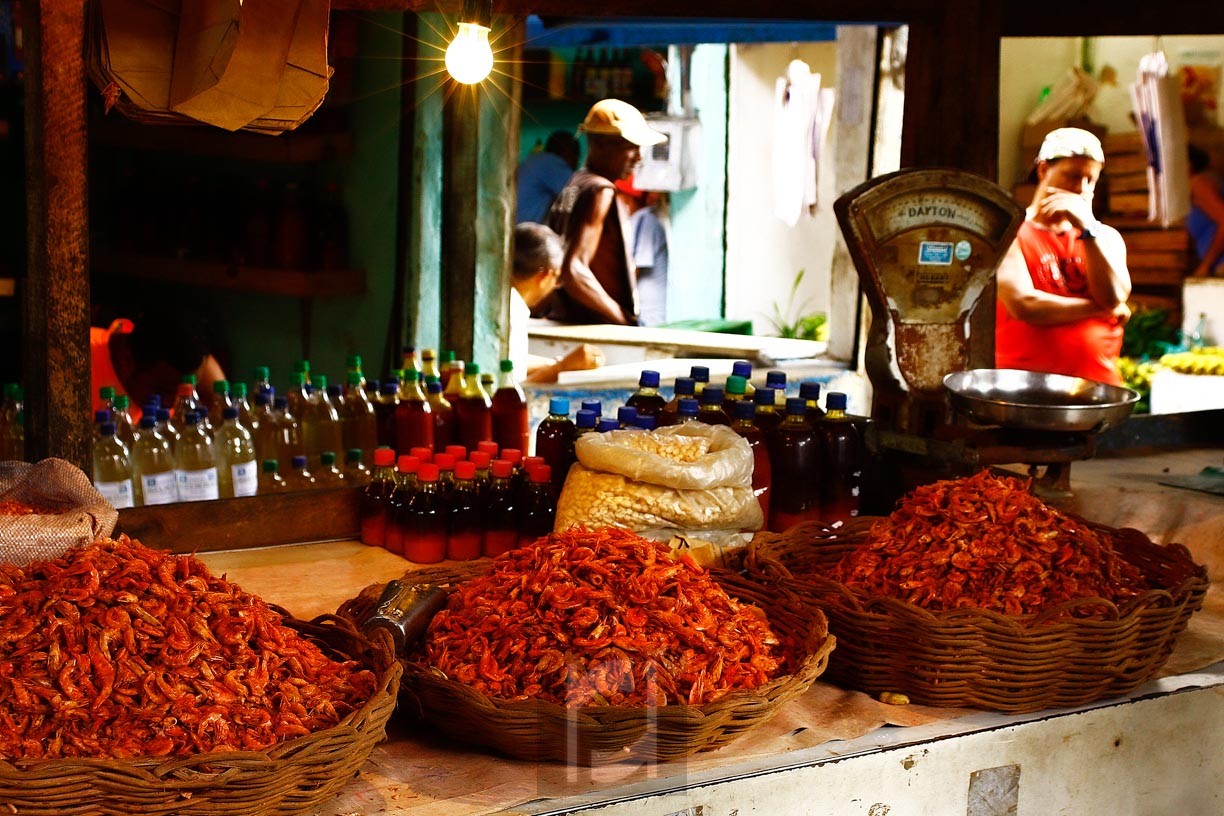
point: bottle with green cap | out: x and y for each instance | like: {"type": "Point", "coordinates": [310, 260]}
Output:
{"type": "Point", "coordinates": [219, 402]}
{"type": "Point", "coordinates": [262, 380]}
{"type": "Point", "coordinates": [474, 410]}
{"type": "Point", "coordinates": [106, 398]}
{"type": "Point", "coordinates": [328, 473]}
{"type": "Point", "coordinates": [270, 480]}
{"type": "Point", "coordinates": [356, 474]}
{"type": "Point", "coordinates": [452, 375]}
{"type": "Point", "coordinates": [414, 425]}
{"type": "Point", "coordinates": [358, 425]}
{"type": "Point", "coordinates": [125, 426]}
{"type": "Point", "coordinates": [735, 391]}
{"type": "Point", "coordinates": [320, 423]}
{"type": "Point", "coordinates": [246, 416]}
{"type": "Point", "coordinates": [302, 367]}
{"type": "Point", "coordinates": [510, 422]}
{"type": "Point", "coordinates": [352, 364]}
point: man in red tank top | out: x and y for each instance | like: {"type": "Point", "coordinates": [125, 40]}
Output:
{"type": "Point", "coordinates": [598, 280]}
{"type": "Point", "coordinates": [1063, 285]}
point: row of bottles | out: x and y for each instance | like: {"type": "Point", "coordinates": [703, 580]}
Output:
{"type": "Point", "coordinates": [456, 504]}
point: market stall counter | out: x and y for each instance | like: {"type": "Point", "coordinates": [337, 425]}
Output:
{"type": "Point", "coordinates": [1158, 749]}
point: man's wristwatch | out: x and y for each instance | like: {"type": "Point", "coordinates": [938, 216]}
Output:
{"type": "Point", "coordinates": [1088, 232]}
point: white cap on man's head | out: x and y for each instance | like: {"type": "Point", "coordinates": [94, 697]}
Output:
{"type": "Point", "coordinates": [1069, 142]}
{"type": "Point", "coordinates": [612, 117]}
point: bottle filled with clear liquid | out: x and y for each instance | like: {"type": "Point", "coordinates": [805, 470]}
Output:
{"type": "Point", "coordinates": [237, 465]}
{"type": "Point", "coordinates": [112, 468]}
{"type": "Point", "coordinates": [358, 424]}
{"type": "Point", "coordinates": [196, 460]}
{"type": "Point", "coordinates": [153, 474]}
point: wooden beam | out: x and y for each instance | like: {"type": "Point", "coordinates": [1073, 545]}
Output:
{"type": "Point", "coordinates": [460, 213]}
{"type": "Point", "coordinates": [55, 365]}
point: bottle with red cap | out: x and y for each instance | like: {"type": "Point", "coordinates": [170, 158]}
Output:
{"type": "Point", "coordinates": [424, 519]}
{"type": "Point", "coordinates": [538, 510]}
{"type": "Point", "coordinates": [446, 473]}
{"type": "Point", "coordinates": [405, 486]}
{"type": "Point", "coordinates": [481, 461]}
{"type": "Point", "coordinates": [501, 521]}
{"type": "Point", "coordinates": [510, 426]}
{"type": "Point", "coordinates": [465, 516]}
{"type": "Point", "coordinates": [414, 425]}
{"type": "Point", "coordinates": [647, 399]}
{"type": "Point", "coordinates": [522, 477]}
{"type": "Point", "coordinates": [373, 506]}
{"type": "Point", "coordinates": [743, 425]}
{"type": "Point", "coordinates": [554, 441]}
{"type": "Point", "coordinates": [423, 455]}
{"type": "Point", "coordinates": [490, 447]}
{"type": "Point", "coordinates": [457, 451]}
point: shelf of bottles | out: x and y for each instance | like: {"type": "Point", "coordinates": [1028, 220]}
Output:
{"type": "Point", "coordinates": [581, 76]}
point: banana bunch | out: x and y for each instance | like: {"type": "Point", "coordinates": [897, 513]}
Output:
{"type": "Point", "coordinates": [1137, 374]}
{"type": "Point", "coordinates": [1206, 360]}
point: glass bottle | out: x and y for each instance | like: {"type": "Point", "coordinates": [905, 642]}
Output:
{"type": "Point", "coordinates": [474, 410]}
{"type": "Point", "coordinates": [414, 425]}
{"type": "Point", "coordinates": [465, 516]}
{"type": "Point", "coordinates": [537, 511]}
{"type": "Point", "coordinates": [112, 468]}
{"type": "Point", "coordinates": [647, 399]}
{"type": "Point", "coordinates": [809, 392]}
{"type": "Point", "coordinates": [328, 473]}
{"type": "Point", "coordinates": [270, 480]}
{"type": "Point", "coordinates": [766, 415]}
{"type": "Point", "coordinates": [490, 447]}
{"type": "Point", "coordinates": [425, 519]}
{"type": "Point", "coordinates": [299, 476]}
{"type": "Point", "coordinates": [406, 468]}
{"type": "Point", "coordinates": [711, 411]}
{"type": "Point", "coordinates": [101, 417]}
{"type": "Point", "coordinates": [373, 505]}
{"type": "Point", "coordinates": [237, 467]}
{"type": "Point", "coordinates": [196, 460]}
{"type": "Point", "coordinates": [358, 424]}
{"type": "Point", "coordinates": [841, 453]}
{"type": "Point", "coordinates": [735, 391]}
{"type": "Point", "coordinates": [153, 465]}
{"type": "Point", "coordinates": [301, 367]}
{"type": "Point", "coordinates": [384, 413]}
{"type": "Point", "coordinates": [510, 426]}
{"type": "Point", "coordinates": [554, 441]}
{"type": "Point", "coordinates": [762, 475]}
{"type": "Point", "coordinates": [423, 454]}
{"type": "Point", "coordinates": [794, 456]}
{"type": "Point", "coordinates": [356, 474]}
{"type": "Point", "coordinates": [445, 431]}
{"type": "Point", "coordinates": [645, 423]}
{"type": "Point", "coordinates": [685, 387]}
{"type": "Point", "coordinates": [501, 528]}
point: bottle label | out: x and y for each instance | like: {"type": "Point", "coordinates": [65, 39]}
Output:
{"type": "Point", "coordinates": [159, 488]}
{"type": "Point", "coordinates": [197, 485]}
{"type": "Point", "coordinates": [119, 494]}
{"type": "Point", "coordinates": [246, 478]}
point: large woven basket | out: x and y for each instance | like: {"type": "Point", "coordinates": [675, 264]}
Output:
{"type": "Point", "coordinates": [979, 658]}
{"type": "Point", "coordinates": [537, 730]}
{"type": "Point", "coordinates": [296, 776]}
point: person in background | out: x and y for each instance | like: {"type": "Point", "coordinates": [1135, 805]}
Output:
{"type": "Point", "coordinates": [150, 355]}
{"type": "Point", "coordinates": [1206, 215]}
{"type": "Point", "coordinates": [597, 272]}
{"type": "Point", "coordinates": [1063, 284]}
{"type": "Point", "coordinates": [648, 240]}
{"type": "Point", "coordinates": [534, 276]}
{"type": "Point", "coordinates": [544, 173]}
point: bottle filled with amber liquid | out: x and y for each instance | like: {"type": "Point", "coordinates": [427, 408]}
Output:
{"type": "Point", "coordinates": [794, 456]}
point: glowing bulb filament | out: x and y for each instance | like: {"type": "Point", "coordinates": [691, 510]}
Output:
{"type": "Point", "coordinates": [469, 57]}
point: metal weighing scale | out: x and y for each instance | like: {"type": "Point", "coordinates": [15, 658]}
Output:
{"type": "Point", "coordinates": [926, 243]}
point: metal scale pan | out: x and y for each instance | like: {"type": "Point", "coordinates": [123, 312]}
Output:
{"type": "Point", "coordinates": [1031, 400]}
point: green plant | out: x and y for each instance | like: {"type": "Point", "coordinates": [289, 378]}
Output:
{"type": "Point", "coordinates": [793, 322]}
{"type": "Point", "coordinates": [1148, 334]}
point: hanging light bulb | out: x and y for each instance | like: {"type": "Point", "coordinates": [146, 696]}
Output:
{"type": "Point", "coordinates": [469, 58]}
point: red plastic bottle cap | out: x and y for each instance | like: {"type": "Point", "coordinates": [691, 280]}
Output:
{"type": "Point", "coordinates": [457, 451]}
{"type": "Point", "coordinates": [423, 454]}
{"type": "Point", "coordinates": [512, 455]}
{"type": "Point", "coordinates": [532, 462]}
{"type": "Point", "coordinates": [444, 461]}
{"type": "Point", "coordinates": [427, 472]}
{"type": "Point", "coordinates": [540, 473]}
{"type": "Point", "coordinates": [487, 446]}
{"type": "Point", "coordinates": [465, 470]}
{"type": "Point", "coordinates": [480, 459]}
{"type": "Point", "coordinates": [502, 469]}
{"type": "Point", "coordinates": [407, 464]}
{"type": "Point", "coordinates": [384, 457]}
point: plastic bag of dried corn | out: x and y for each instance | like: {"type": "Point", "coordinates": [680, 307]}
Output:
{"type": "Point", "coordinates": [689, 456]}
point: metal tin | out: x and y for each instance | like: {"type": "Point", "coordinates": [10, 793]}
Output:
{"type": "Point", "coordinates": [404, 611]}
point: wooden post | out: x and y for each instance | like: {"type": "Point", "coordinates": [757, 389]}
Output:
{"type": "Point", "coordinates": [55, 365]}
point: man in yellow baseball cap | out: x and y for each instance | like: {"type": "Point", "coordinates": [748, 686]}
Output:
{"type": "Point", "coordinates": [1063, 285]}
{"type": "Point", "coordinates": [598, 278]}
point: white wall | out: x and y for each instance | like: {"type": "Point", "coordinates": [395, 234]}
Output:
{"type": "Point", "coordinates": [1031, 63]}
{"type": "Point", "coordinates": [763, 253]}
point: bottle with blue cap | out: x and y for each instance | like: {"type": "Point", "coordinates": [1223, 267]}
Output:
{"type": "Point", "coordinates": [766, 415]}
{"type": "Point", "coordinates": [701, 378]}
{"type": "Point", "coordinates": [554, 441]}
{"type": "Point", "coordinates": [794, 456]}
{"type": "Point", "coordinates": [743, 368]}
{"type": "Point", "coordinates": [647, 399]}
{"type": "Point", "coordinates": [112, 468]}
{"type": "Point", "coordinates": [762, 472]}
{"type": "Point", "coordinates": [627, 417]}
{"type": "Point", "coordinates": [809, 392]}
{"type": "Point", "coordinates": [687, 410]}
{"type": "Point", "coordinates": [711, 411]}
{"type": "Point", "coordinates": [608, 424]}
{"type": "Point", "coordinates": [592, 405]}
{"type": "Point", "coordinates": [237, 468]}
{"type": "Point", "coordinates": [685, 387]}
{"type": "Point", "coordinates": [841, 454]}
{"type": "Point", "coordinates": [197, 460]}
{"type": "Point", "coordinates": [586, 420]}
{"type": "Point", "coordinates": [153, 464]}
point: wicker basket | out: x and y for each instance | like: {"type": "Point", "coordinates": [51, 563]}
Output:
{"type": "Point", "coordinates": [293, 777]}
{"type": "Point", "coordinates": [982, 659]}
{"type": "Point", "coordinates": [538, 730]}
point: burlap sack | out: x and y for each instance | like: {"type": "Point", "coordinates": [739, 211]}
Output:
{"type": "Point", "coordinates": [58, 485]}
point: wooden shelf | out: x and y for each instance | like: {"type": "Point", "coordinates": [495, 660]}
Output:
{"type": "Point", "coordinates": [270, 281]}
{"type": "Point", "coordinates": [297, 147]}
